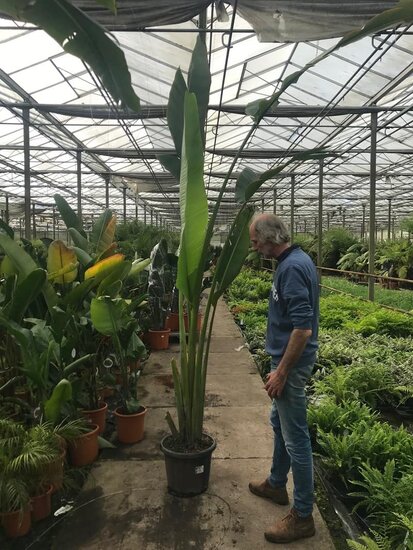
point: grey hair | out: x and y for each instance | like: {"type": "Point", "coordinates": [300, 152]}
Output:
{"type": "Point", "coordinates": [270, 228]}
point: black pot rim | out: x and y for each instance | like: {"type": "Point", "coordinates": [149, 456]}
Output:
{"type": "Point", "coordinates": [188, 455]}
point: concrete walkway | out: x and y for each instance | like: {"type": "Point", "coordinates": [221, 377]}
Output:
{"type": "Point", "coordinates": [125, 505]}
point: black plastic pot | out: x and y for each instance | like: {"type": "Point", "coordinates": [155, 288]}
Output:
{"type": "Point", "coordinates": [187, 474]}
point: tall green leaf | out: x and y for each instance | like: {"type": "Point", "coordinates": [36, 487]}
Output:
{"type": "Point", "coordinates": [193, 202]}
{"type": "Point", "coordinates": [79, 240]}
{"type": "Point", "coordinates": [172, 163]}
{"type": "Point", "coordinates": [69, 216]}
{"type": "Point", "coordinates": [116, 276]}
{"type": "Point", "coordinates": [234, 252]}
{"type": "Point", "coordinates": [25, 293]}
{"type": "Point", "coordinates": [82, 256]}
{"type": "Point", "coordinates": [107, 315]}
{"type": "Point", "coordinates": [61, 394]}
{"type": "Point", "coordinates": [199, 81]}
{"type": "Point", "coordinates": [175, 111]}
{"type": "Point", "coordinates": [77, 294]}
{"type": "Point", "coordinates": [103, 231]}
{"type": "Point", "coordinates": [25, 265]}
{"type": "Point", "coordinates": [5, 228]}
{"type": "Point", "coordinates": [79, 35]}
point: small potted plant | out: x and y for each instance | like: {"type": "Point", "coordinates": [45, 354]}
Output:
{"type": "Point", "coordinates": [113, 317]}
{"type": "Point", "coordinates": [158, 335]}
{"type": "Point", "coordinates": [24, 462]}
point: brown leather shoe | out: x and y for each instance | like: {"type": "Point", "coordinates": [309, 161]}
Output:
{"type": "Point", "coordinates": [278, 495]}
{"type": "Point", "coordinates": [290, 528]}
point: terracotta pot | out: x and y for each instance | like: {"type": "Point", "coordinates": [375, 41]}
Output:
{"type": "Point", "coordinates": [130, 427]}
{"type": "Point", "coordinates": [198, 322]}
{"type": "Point", "coordinates": [84, 449]}
{"type": "Point", "coordinates": [42, 505]}
{"type": "Point", "coordinates": [16, 524]}
{"type": "Point", "coordinates": [54, 471]}
{"type": "Point", "coordinates": [158, 339]}
{"type": "Point", "coordinates": [97, 416]}
{"type": "Point", "coordinates": [172, 322]}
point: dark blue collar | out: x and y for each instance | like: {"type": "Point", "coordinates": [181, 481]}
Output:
{"type": "Point", "coordinates": [287, 252]}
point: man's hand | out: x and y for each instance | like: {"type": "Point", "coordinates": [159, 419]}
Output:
{"type": "Point", "coordinates": [275, 383]}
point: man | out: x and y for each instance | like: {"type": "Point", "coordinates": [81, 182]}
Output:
{"type": "Point", "coordinates": [291, 342]}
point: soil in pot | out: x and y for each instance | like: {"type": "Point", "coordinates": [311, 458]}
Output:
{"type": "Point", "coordinates": [16, 524]}
{"type": "Point", "coordinates": [42, 504]}
{"type": "Point", "coordinates": [84, 449]}
{"type": "Point", "coordinates": [97, 416]}
{"type": "Point", "coordinates": [130, 427]}
{"type": "Point", "coordinates": [187, 471]}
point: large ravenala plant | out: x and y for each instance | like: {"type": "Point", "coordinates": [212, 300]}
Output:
{"type": "Point", "coordinates": [187, 109]}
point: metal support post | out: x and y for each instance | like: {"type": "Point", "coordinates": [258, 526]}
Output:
{"type": "Point", "coordinates": [107, 178]}
{"type": "Point", "coordinates": [274, 206]}
{"type": "Point", "coordinates": [292, 208]}
{"type": "Point", "coordinates": [262, 205]}
{"type": "Point", "coordinates": [79, 182]}
{"type": "Point", "coordinates": [372, 220]}
{"type": "Point", "coordinates": [7, 212]}
{"type": "Point", "coordinates": [363, 222]}
{"type": "Point", "coordinates": [389, 221]}
{"type": "Point", "coordinates": [27, 191]}
{"type": "Point", "coordinates": [54, 223]}
{"type": "Point", "coordinates": [328, 221]}
{"type": "Point", "coordinates": [144, 214]}
{"type": "Point", "coordinates": [151, 216]}
{"type": "Point", "coordinates": [124, 204]}
{"type": "Point", "coordinates": [136, 210]}
{"type": "Point", "coordinates": [344, 218]}
{"type": "Point", "coordinates": [320, 216]}
{"type": "Point", "coordinates": [34, 221]}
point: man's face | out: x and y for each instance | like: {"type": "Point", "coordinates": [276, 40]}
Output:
{"type": "Point", "coordinates": [266, 249]}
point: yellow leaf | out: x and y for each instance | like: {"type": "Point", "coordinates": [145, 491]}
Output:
{"type": "Point", "coordinates": [102, 268]}
{"type": "Point", "coordinates": [61, 263]}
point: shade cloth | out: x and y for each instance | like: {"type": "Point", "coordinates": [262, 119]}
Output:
{"type": "Point", "coordinates": [272, 20]}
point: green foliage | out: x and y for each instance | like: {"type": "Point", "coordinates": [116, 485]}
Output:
{"type": "Point", "coordinates": [402, 299]}
{"type": "Point", "coordinates": [367, 381]}
{"type": "Point", "coordinates": [138, 238]}
{"type": "Point", "coordinates": [356, 258]}
{"type": "Point", "coordinates": [250, 285]}
{"type": "Point", "coordinates": [344, 454]}
{"type": "Point", "coordinates": [386, 322]}
{"type": "Point", "coordinates": [308, 243]}
{"type": "Point", "coordinates": [395, 258]}
{"type": "Point", "coordinates": [385, 494]}
{"type": "Point", "coordinates": [336, 241]}
{"type": "Point", "coordinates": [337, 418]}
{"type": "Point", "coordinates": [336, 310]}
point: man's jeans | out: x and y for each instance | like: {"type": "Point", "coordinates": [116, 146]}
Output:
{"type": "Point", "coordinates": [292, 446]}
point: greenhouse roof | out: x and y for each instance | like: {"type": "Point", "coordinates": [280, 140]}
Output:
{"type": "Point", "coordinates": [78, 135]}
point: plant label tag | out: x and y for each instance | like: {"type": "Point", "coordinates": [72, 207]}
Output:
{"type": "Point", "coordinates": [199, 469]}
